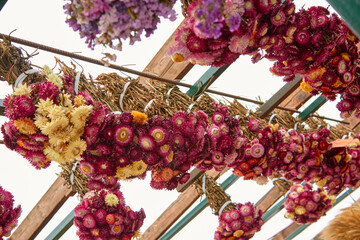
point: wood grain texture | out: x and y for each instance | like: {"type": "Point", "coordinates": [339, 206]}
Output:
{"type": "Point", "coordinates": [163, 66]}
{"type": "Point", "coordinates": [286, 232]}
{"type": "Point", "coordinates": [269, 199]}
{"type": "Point", "coordinates": [296, 99]}
{"type": "Point", "coordinates": [43, 211]}
{"type": "Point", "coordinates": [175, 211]}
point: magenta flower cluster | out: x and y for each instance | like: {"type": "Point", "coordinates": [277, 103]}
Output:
{"type": "Point", "coordinates": [104, 215]}
{"type": "Point", "coordinates": [217, 32]}
{"type": "Point", "coordinates": [106, 22]}
{"type": "Point", "coordinates": [8, 214]}
{"type": "Point", "coordinates": [240, 223]}
{"type": "Point", "coordinates": [305, 205]}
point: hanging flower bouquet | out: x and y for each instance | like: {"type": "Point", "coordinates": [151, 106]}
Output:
{"type": "Point", "coordinates": [305, 205]}
{"type": "Point", "coordinates": [104, 215]}
{"type": "Point", "coordinates": [110, 22]}
{"type": "Point", "coordinates": [8, 214]}
{"type": "Point", "coordinates": [217, 32]}
{"type": "Point", "coordinates": [236, 221]}
{"type": "Point", "coordinates": [46, 121]}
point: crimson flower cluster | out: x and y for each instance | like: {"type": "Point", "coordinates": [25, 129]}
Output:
{"type": "Point", "coordinates": [8, 214]}
{"type": "Point", "coordinates": [104, 215]}
{"type": "Point", "coordinates": [240, 223]}
{"type": "Point", "coordinates": [305, 205]}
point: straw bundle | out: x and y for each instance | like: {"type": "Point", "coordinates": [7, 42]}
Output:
{"type": "Point", "coordinates": [281, 183]}
{"type": "Point", "coordinates": [345, 226]}
{"type": "Point", "coordinates": [74, 178]}
{"type": "Point", "coordinates": [215, 195]}
{"type": "Point", "coordinates": [13, 63]}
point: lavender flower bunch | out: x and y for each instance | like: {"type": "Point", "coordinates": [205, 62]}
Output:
{"type": "Point", "coordinates": [109, 22]}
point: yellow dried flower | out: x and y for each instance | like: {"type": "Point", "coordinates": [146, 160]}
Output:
{"type": "Point", "coordinates": [111, 200]}
{"type": "Point", "coordinates": [306, 87]}
{"type": "Point", "coordinates": [41, 121]}
{"type": "Point", "coordinates": [47, 70]}
{"type": "Point", "coordinates": [55, 126]}
{"type": "Point", "coordinates": [289, 215]}
{"type": "Point", "coordinates": [22, 89]}
{"type": "Point", "coordinates": [25, 126]}
{"type": "Point", "coordinates": [56, 112]}
{"type": "Point", "coordinates": [139, 118]}
{"type": "Point", "coordinates": [300, 210]}
{"type": "Point", "coordinates": [65, 100]}
{"type": "Point", "coordinates": [80, 115]}
{"type": "Point", "coordinates": [238, 233]}
{"type": "Point", "coordinates": [74, 149]}
{"type": "Point", "coordinates": [55, 79]}
{"type": "Point", "coordinates": [54, 155]}
{"type": "Point", "coordinates": [138, 168]}
{"type": "Point", "coordinates": [79, 100]}
{"type": "Point", "coordinates": [122, 173]}
{"type": "Point", "coordinates": [43, 106]}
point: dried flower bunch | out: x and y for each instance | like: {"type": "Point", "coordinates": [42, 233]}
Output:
{"type": "Point", "coordinates": [47, 121]}
{"type": "Point", "coordinates": [305, 205]}
{"type": "Point", "coordinates": [8, 214]}
{"type": "Point", "coordinates": [104, 215]}
{"type": "Point", "coordinates": [109, 22]}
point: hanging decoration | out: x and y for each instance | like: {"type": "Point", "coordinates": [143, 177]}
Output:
{"type": "Point", "coordinates": [111, 22]}
{"type": "Point", "coordinates": [305, 205]}
{"type": "Point", "coordinates": [104, 215]}
{"type": "Point", "coordinates": [236, 221]}
{"type": "Point", "coordinates": [8, 214]}
{"type": "Point", "coordinates": [311, 43]}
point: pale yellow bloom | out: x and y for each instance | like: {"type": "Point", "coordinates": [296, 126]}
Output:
{"type": "Point", "coordinates": [56, 112]}
{"type": "Point", "coordinates": [47, 70]}
{"type": "Point", "coordinates": [124, 172]}
{"type": "Point", "coordinates": [74, 149]}
{"type": "Point", "coordinates": [111, 200]}
{"type": "Point", "coordinates": [65, 100]}
{"type": "Point", "coordinates": [41, 121]}
{"type": "Point", "coordinates": [55, 126]}
{"type": "Point", "coordinates": [138, 168]}
{"type": "Point", "coordinates": [54, 155]}
{"type": "Point", "coordinates": [79, 100]}
{"type": "Point", "coordinates": [55, 79]}
{"type": "Point", "coordinates": [43, 106]}
{"type": "Point", "coordinates": [80, 115]}
{"type": "Point", "coordinates": [22, 89]}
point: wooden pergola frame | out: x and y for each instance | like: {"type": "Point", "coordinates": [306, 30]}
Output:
{"type": "Point", "coordinates": [291, 96]}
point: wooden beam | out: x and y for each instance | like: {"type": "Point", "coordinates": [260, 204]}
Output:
{"type": "Point", "coordinates": [286, 232]}
{"type": "Point", "coordinates": [43, 211]}
{"type": "Point", "coordinates": [163, 66]}
{"type": "Point", "coordinates": [174, 211]}
{"type": "Point", "coordinates": [269, 199]}
{"type": "Point", "coordinates": [296, 99]}
{"type": "Point", "coordinates": [194, 175]}
{"type": "Point", "coordinates": [278, 97]}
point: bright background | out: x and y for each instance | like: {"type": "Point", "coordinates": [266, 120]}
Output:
{"type": "Point", "coordinates": [43, 21]}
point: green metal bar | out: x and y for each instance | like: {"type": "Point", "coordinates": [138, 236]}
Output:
{"type": "Point", "coordinates": [205, 81]}
{"type": "Point", "coordinates": [315, 105]}
{"type": "Point", "coordinates": [349, 10]}
{"type": "Point", "coordinates": [62, 227]}
{"type": "Point", "coordinates": [303, 227]}
{"type": "Point", "coordinates": [2, 108]}
{"type": "Point", "coordinates": [195, 211]}
{"type": "Point", "coordinates": [273, 210]}
{"type": "Point", "coordinates": [2, 3]}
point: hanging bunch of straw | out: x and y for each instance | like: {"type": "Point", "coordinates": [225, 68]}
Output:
{"type": "Point", "coordinates": [345, 226]}
{"type": "Point", "coordinates": [13, 63]}
{"type": "Point", "coordinates": [215, 195]}
{"type": "Point", "coordinates": [74, 178]}
{"type": "Point", "coordinates": [281, 183]}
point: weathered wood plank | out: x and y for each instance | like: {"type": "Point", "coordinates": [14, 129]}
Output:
{"type": "Point", "coordinates": [296, 99]}
{"type": "Point", "coordinates": [43, 211]}
{"type": "Point", "coordinates": [269, 199]}
{"type": "Point", "coordinates": [278, 97]}
{"type": "Point", "coordinates": [175, 211]}
{"type": "Point", "coordinates": [163, 66]}
{"type": "Point", "coordinates": [286, 232]}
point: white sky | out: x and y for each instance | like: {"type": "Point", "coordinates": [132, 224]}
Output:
{"type": "Point", "coordinates": [43, 21]}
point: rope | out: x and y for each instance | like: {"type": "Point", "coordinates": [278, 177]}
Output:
{"type": "Point", "coordinates": [143, 74]}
